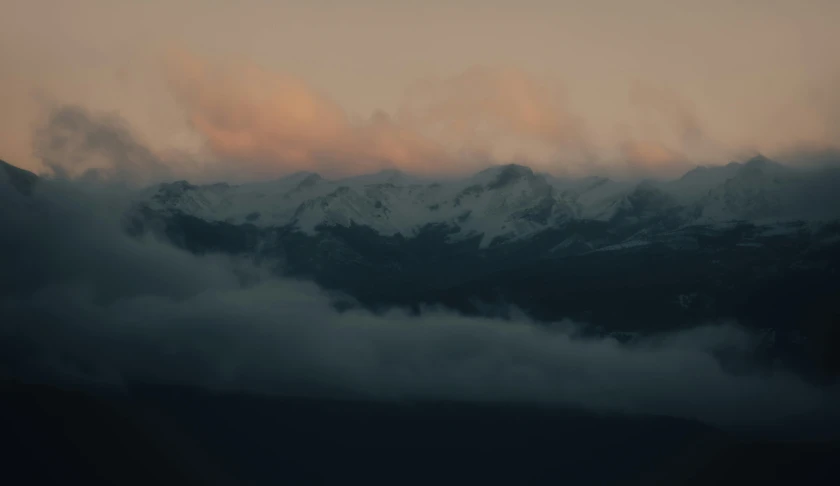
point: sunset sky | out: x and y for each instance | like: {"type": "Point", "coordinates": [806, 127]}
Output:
{"type": "Point", "coordinates": [262, 88]}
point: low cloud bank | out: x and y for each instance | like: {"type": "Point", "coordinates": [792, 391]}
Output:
{"type": "Point", "coordinates": [83, 300]}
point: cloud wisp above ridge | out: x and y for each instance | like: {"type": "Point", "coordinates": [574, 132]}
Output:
{"type": "Point", "coordinates": [256, 124]}
{"type": "Point", "coordinates": [265, 120]}
{"type": "Point", "coordinates": [83, 300]}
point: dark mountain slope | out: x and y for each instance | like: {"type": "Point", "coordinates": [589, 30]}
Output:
{"type": "Point", "coordinates": [183, 436]}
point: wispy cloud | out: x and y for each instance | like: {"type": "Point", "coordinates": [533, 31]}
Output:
{"type": "Point", "coordinates": [75, 143]}
{"type": "Point", "coordinates": [274, 123]}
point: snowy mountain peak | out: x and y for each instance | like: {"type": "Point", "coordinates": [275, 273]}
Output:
{"type": "Point", "coordinates": [308, 181]}
{"type": "Point", "coordinates": [758, 160]}
{"type": "Point", "coordinates": [502, 203]}
{"type": "Point", "coordinates": [762, 165]}
{"type": "Point", "coordinates": [503, 175]}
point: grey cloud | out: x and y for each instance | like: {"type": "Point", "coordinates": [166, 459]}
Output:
{"type": "Point", "coordinates": [62, 235]}
{"type": "Point", "coordinates": [76, 143]}
{"type": "Point", "coordinates": [98, 304]}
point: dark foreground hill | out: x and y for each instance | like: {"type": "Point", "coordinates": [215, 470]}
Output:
{"type": "Point", "coordinates": [184, 436]}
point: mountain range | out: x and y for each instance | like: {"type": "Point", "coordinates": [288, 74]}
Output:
{"type": "Point", "coordinates": [510, 202]}
{"type": "Point", "coordinates": [756, 242]}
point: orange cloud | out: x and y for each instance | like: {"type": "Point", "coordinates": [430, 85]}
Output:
{"type": "Point", "coordinates": [261, 123]}
{"type": "Point", "coordinates": [649, 158]}
{"type": "Point", "coordinates": [277, 123]}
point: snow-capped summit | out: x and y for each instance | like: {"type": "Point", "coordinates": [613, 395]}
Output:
{"type": "Point", "coordinates": [759, 189]}
{"type": "Point", "coordinates": [508, 201]}
{"type": "Point", "coordinates": [502, 175]}
{"type": "Point", "coordinates": [699, 181]}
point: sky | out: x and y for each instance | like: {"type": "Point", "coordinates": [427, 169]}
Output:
{"type": "Point", "coordinates": [264, 88]}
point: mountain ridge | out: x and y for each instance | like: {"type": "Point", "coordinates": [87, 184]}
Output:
{"type": "Point", "coordinates": [505, 202]}
{"type": "Point", "coordinates": [555, 251]}
{"type": "Point", "coordinates": [501, 203]}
